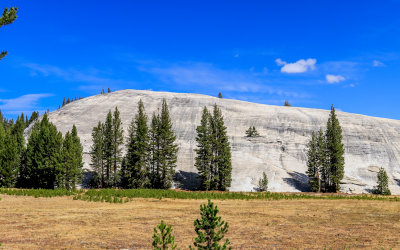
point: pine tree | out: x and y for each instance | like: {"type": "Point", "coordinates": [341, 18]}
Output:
{"type": "Point", "coordinates": [72, 159]}
{"type": "Point", "coordinates": [117, 142]}
{"type": "Point", "coordinates": [312, 164]}
{"type": "Point", "coordinates": [382, 187]}
{"type": "Point", "coordinates": [163, 238]}
{"type": "Point", "coordinates": [137, 156]}
{"type": "Point", "coordinates": [9, 157]}
{"type": "Point", "coordinates": [108, 141]}
{"type": "Point", "coordinates": [97, 155]}
{"type": "Point", "coordinates": [221, 165]}
{"type": "Point", "coordinates": [43, 155]}
{"type": "Point", "coordinates": [335, 151]}
{"type": "Point", "coordinates": [210, 229]}
{"type": "Point", "coordinates": [33, 117]}
{"type": "Point", "coordinates": [287, 104]}
{"type": "Point", "coordinates": [109, 90]}
{"type": "Point", "coordinates": [219, 95]}
{"type": "Point", "coordinates": [252, 132]}
{"type": "Point", "coordinates": [263, 183]}
{"type": "Point", "coordinates": [64, 102]}
{"type": "Point", "coordinates": [168, 149]}
{"type": "Point", "coordinates": [8, 17]}
{"type": "Point", "coordinates": [154, 151]}
{"type": "Point", "coordinates": [322, 165]}
{"type": "Point", "coordinates": [203, 151]}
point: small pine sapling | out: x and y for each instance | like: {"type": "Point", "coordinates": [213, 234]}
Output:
{"type": "Point", "coordinates": [263, 183]}
{"type": "Point", "coordinates": [163, 238]}
{"type": "Point", "coordinates": [210, 229]}
{"type": "Point", "coordinates": [383, 186]}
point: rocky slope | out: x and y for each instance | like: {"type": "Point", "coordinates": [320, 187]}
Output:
{"type": "Point", "coordinates": [370, 142]}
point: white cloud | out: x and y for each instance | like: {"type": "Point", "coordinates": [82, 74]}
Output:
{"type": "Point", "coordinates": [25, 103]}
{"type": "Point", "coordinates": [300, 66]}
{"type": "Point", "coordinates": [334, 78]}
{"type": "Point", "coordinates": [377, 63]}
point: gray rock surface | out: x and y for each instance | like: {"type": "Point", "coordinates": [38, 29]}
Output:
{"type": "Point", "coordinates": [280, 151]}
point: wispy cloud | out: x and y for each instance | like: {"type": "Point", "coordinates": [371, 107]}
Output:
{"type": "Point", "coordinates": [25, 103]}
{"type": "Point", "coordinates": [210, 77]}
{"type": "Point", "coordinates": [300, 66]}
{"type": "Point", "coordinates": [334, 78]}
{"type": "Point", "coordinates": [377, 63]}
{"type": "Point", "coordinates": [92, 76]}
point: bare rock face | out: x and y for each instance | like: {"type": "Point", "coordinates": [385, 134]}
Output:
{"type": "Point", "coordinates": [280, 151]}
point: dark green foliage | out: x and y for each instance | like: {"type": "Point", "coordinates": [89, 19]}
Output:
{"type": "Point", "coordinates": [43, 156]}
{"type": "Point", "coordinates": [312, 164]}
{"type": "Point", "coordinates": [263, 183]}
{"type": "Point", "coordinates": [33, 118]}
{"type": "Point", "coordinates": [322, 164]}
{"type": "Point", "coordinates": [163, 238]}
{"type": "Point", "coordinates": [168, 149]}
{"type": "Point", "coordinates": [136, 170]}
{"type": "Point", "coordinates": [221, 166]}
{"type": "Point", "coordinates": [203, 152]}
{"type": "Point", "coordinates": [210, 229]}
{"type": "Point", "coordinates": [117, 142]}
{"type": "Point", "coordinates": [219, 95]}
{"type": "Point", "coordinates": [287, 104]}
{"type": "Point", "coordinates": [383, 186]}
{"type": "Point", "coordinates": [213, 159]}
{"type": "Point", "coordinates": [154, 146]}
{"type": "Point", "coordinates": [334, 152]}
{"type": "Point", "coordinates": [106, 152]}
{"type": "Point", "coordinates": [9, 157]}
{"type": "Point", "coordinates": [252, 132]}
{"type": "Point", "coordinates": [8, 17]}
{"type": "Point", "coordinates": [108, 90]}
{"type": "Point", "coordinates": [72, 160]}
{"type": "Point", "coordinates": [97, 155]}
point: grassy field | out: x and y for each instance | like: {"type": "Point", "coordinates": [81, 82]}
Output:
{"type": "Point", "coordinates": [61, 222]}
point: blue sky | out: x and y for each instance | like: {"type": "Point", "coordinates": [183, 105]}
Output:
{"type": "Point", "coordinates": [311, 53]}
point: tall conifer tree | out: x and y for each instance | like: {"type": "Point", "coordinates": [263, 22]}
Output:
{"type": "Point", "coordinates": [335, 151]}
{"type": "Point", "coordinates": [221, 163]}
{"type": "Point", "coordinates": [137, 157]}
{"type": "Point", "coordinates": [168, 149]}
{"type": "Point", "coordinates": [312, 163]}
{"type": "Point", "coordinates": [117, 142]}
{"type": "Point", "coordinates": [9, 157]}
{"type": "Point", "coordinates": [97, 154]}
{"type": "Point", "coordinates": [108, 150]}
{"type": "Point", "coordinates": [203, 151]}
{"type": "Point", "coordinates": [154, 151]}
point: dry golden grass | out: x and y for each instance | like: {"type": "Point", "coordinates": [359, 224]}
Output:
{"type": "Point", "coordinates": [62, 223]}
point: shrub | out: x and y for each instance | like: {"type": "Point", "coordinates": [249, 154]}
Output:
{"type": "Point", "coordinates": [163, 238]}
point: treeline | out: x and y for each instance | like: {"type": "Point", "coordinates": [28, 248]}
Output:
{"type": "Point", "coordinates": [151, 151]}
{"type": "Point", "coordinates": [48, 160]}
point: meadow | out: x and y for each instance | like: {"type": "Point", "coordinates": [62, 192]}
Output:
{"type": "Point", "coordinates": [58, 219]}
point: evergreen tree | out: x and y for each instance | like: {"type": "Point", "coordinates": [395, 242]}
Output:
{"type": "Point", "coordinates": [263, 183]}
{"type": "Point", "coordinates": [72, 159]}
{"type": "Point", "coordinates": [335, 151]}
{"type": "Point", "coordinates": [382, 186]}
{"type": "Point", "coordinates": [203, 151]}
{"type": "Point", "coordinates": [43, 155]}
{"type": "Point", "coordinates": [312, 164]}
{"type": "Point", "coordinates": [154, 152]}
{"type": "Point", "coordinates": [108, 150]}
{"type": "Point", "coordinates": [210, 229]}
{"type": "Point", "coordinates": [322, 165]}
{"type": "Point", "coordinates": [97, 155]}
{"type": "Point", "coordinates": [117, 142]}
{"type": "Point", "coordinates": [8, 17]}
{"type": "Point", "coordinates": [9, 157]}
{"type": "Point", "coordinates": [219, 95]}
{"type": "Point", "coordinates": [163, 238]}
{"type": "Point", "coordinates": [33, 117]}
{"type": "Point", "coordinates": [137, 156]}
{"type": "Point", "coordinates": [64, 102]}
{"type": "Point", "coordinates": [287, 104]}
{"type": "Point", "coordinates": [252, 132]}
{"type": "Point", "coordinates": [109, 90]}
{"type": "Point", "coordinates": [168, 149]}
{"type": "Point", "coordinates": [221, 163]}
